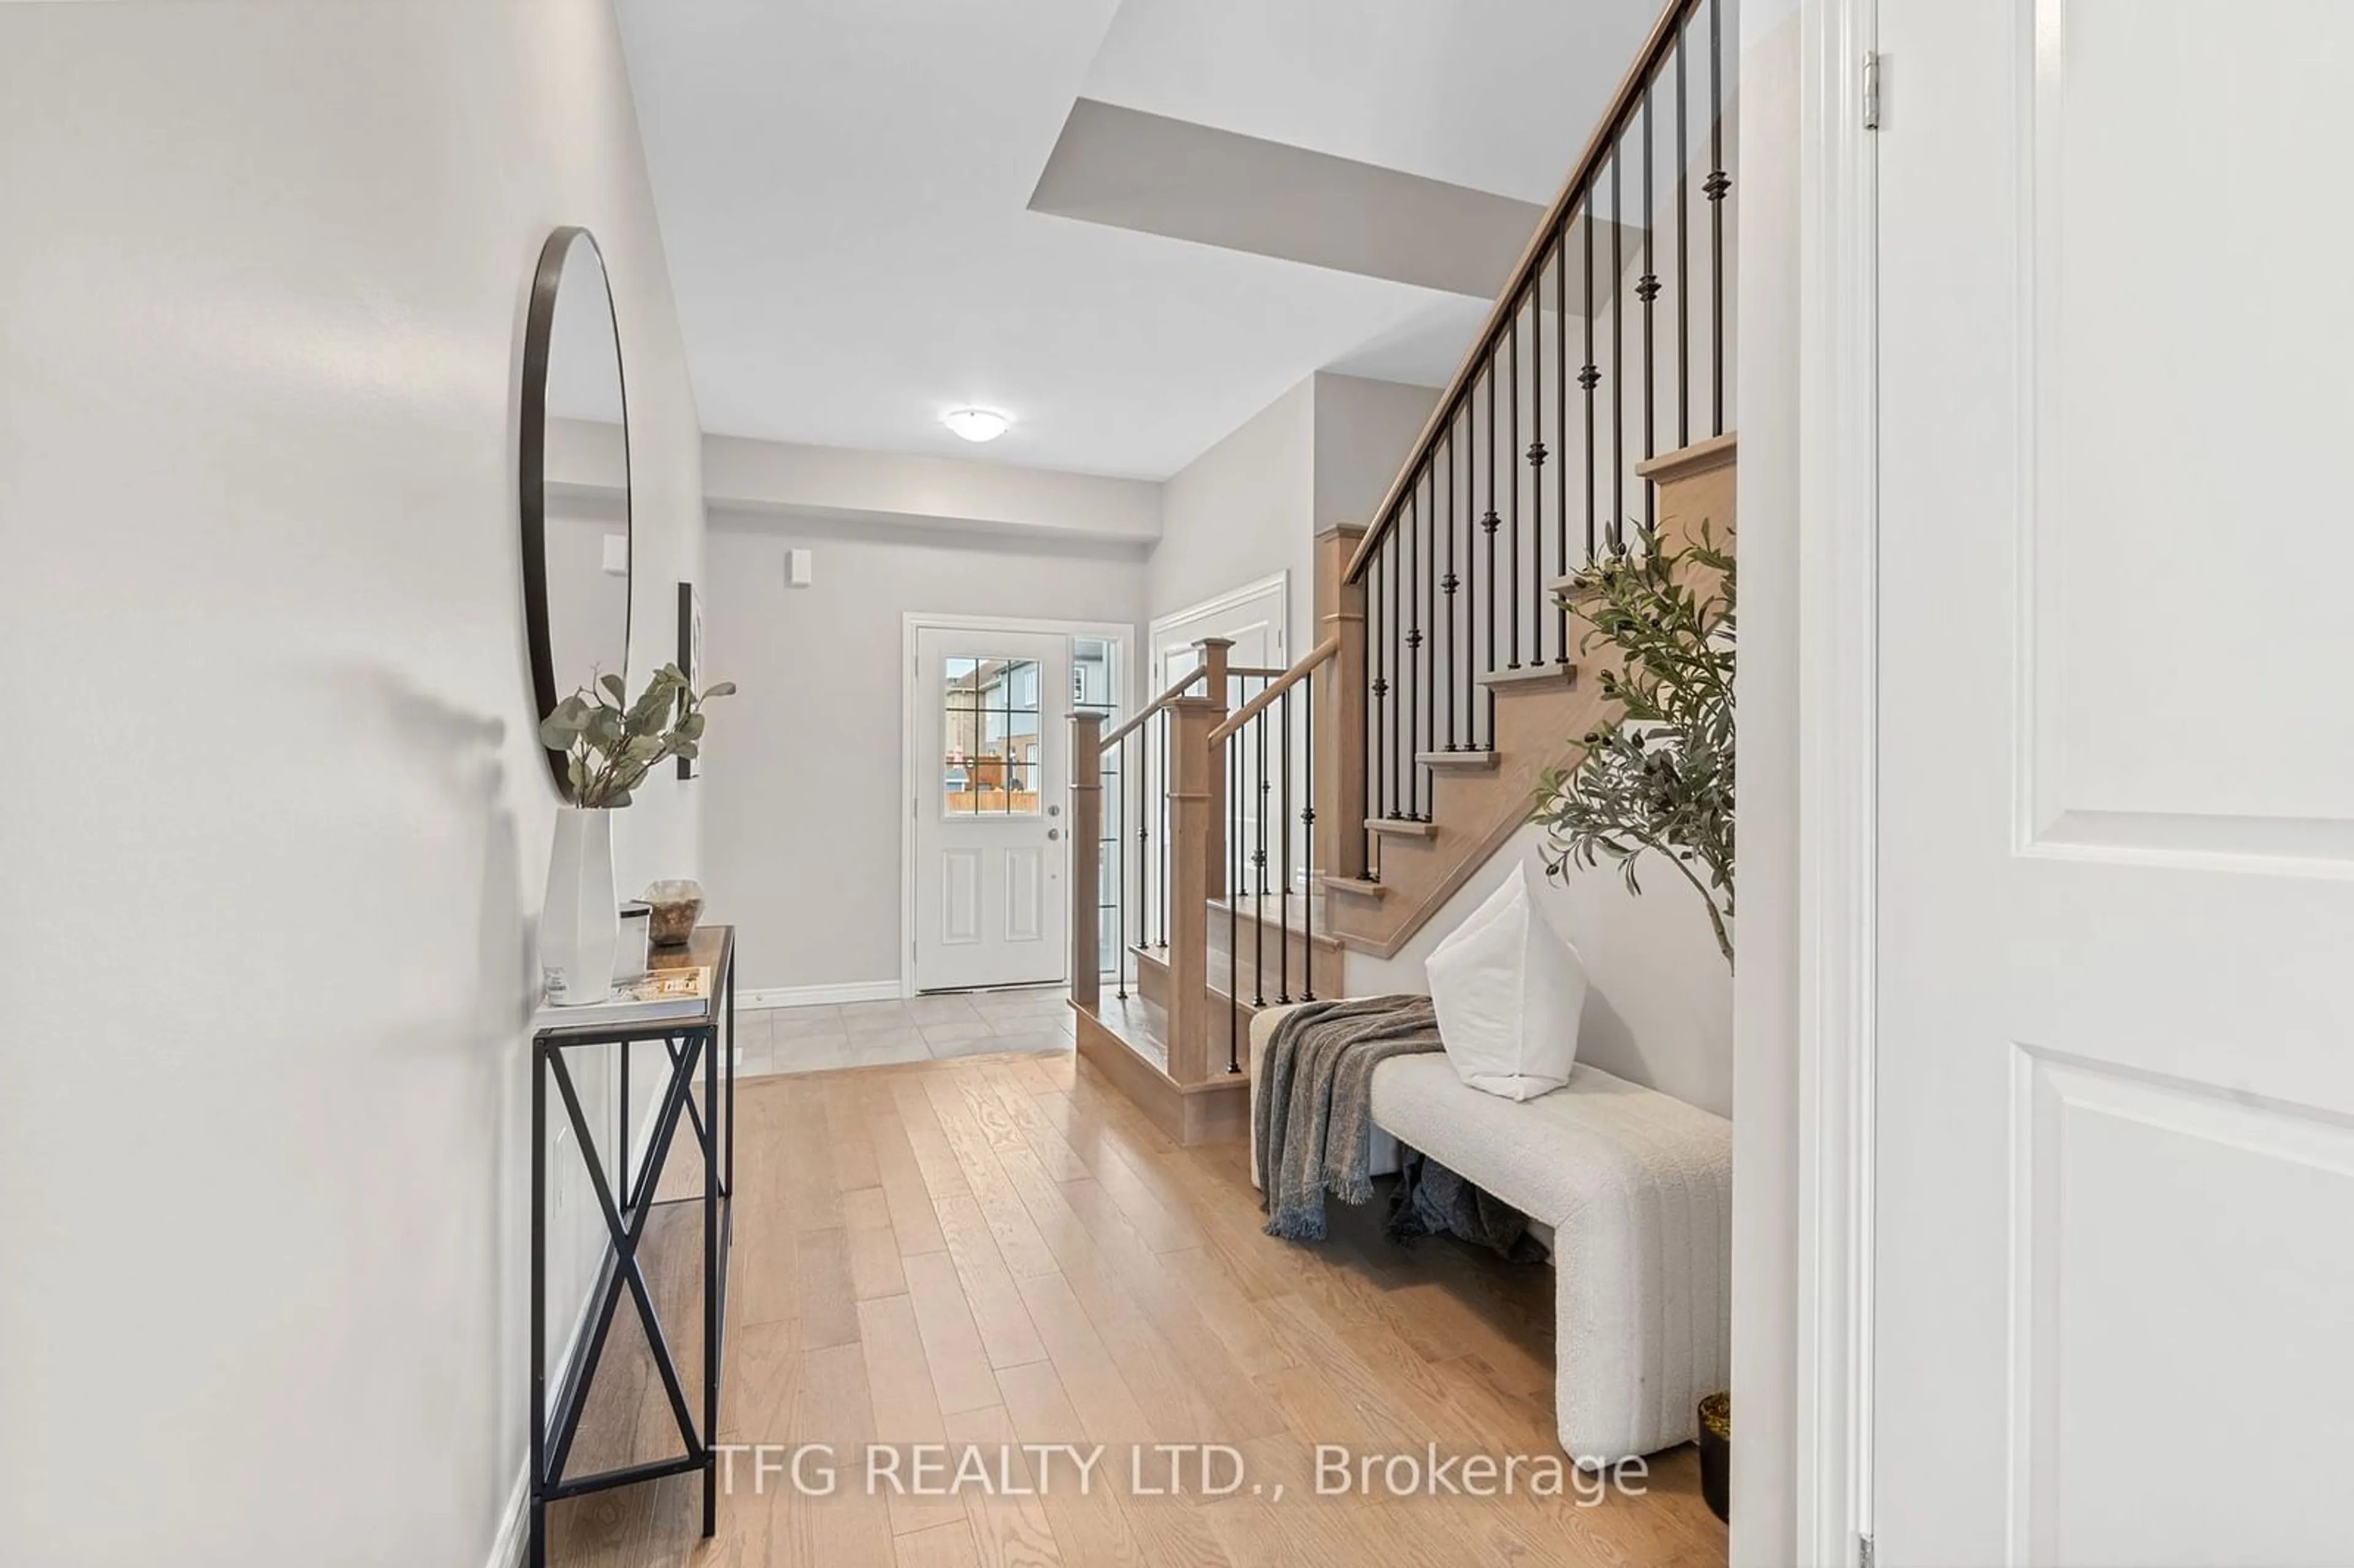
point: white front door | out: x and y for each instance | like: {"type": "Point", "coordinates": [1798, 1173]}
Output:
{"type": "Point", "coordinates": [2115, 1220]}
{"type": "Point", "coordinates": [992, 906]}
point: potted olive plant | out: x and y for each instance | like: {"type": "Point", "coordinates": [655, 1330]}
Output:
{"type": "Point", "coordinates": [608, 744]}
{"type": "Point", "coordinates": [1657, 779]}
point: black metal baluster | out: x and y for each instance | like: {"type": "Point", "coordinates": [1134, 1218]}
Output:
{"type": "Point", "coordinates": [1409, 690]}
{"type": "Point", "coordinates": [1430, 620]}
{"type": "Point", "coordinates": [1647, 291]}
{"type": "Point", "coordinates": [1618, 356]}
{"type": "Point", "coordinates": [1683, 248]}
{"type": "Point", "coordinates": [1448, 584]}
{"type": "Point", "coordinates": [1561, 424]}
{"type": "Point", "coordinates": [1489, 522]}
{"type": "Point", "coordinates": [1308, 826]}
{"type": "Point", "coordinates": [1536, 455]}
{"type": "Point", "coordinates": [1168, 778]}
{"type": "Point", "coordinates": [1258, 863]}
{"type": "Point", "coordinates": [1590, 374]}
{"type": "Point", "coordinates": [1119, 864]}
{"type": "Point", "coordinates": [1233, 899]}
{"type": "Point", "coordinates": [1283, 887]}
{"type": "Point", "coordinates": [1376, 801]}
{"type": "Point", "coordinates": [1719, 182]}
{"type": "Point", "coordinates": [1401, 780]}
{"type": "Point", "coordinates": [1513, 407]}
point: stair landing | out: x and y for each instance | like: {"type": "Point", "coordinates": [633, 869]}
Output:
{"type": "Point", "coordinates": [1128, 1042]}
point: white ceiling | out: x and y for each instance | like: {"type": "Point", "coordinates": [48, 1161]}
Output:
{"type": "Point", "coordinates": [1498, 95]}
{"type": "Point", "coordinates": [844, 189]}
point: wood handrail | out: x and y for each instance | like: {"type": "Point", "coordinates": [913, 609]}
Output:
{"type": "Point", "coordinates": [1261, 703]}
{"type": "Point", "coordinates": [1185, 685]}
{"type": "Point", "coordinates": [1526, 274]}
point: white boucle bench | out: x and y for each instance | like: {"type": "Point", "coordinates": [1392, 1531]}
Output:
{"type": "Point", "coordinates": [1635, 1190]}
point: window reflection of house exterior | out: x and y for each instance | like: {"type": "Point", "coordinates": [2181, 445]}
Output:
{"type": "Point", "coordinates": [990, 752]}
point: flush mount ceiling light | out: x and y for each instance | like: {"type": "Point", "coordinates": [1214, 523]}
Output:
{"type": "Point", "coordinates": [976, 424]}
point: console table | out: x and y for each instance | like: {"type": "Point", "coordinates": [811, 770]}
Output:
{"type": "Point", "coordinates": [627, 1199]}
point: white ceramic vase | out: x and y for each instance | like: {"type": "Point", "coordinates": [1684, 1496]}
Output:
{"type": "Point", "coordinates": [579, 920]}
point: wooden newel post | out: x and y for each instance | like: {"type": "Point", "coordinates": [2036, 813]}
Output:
{"type": "Point", "coordinates": [1086, 860]}
{"type": "Point", "coordinates": [1214, 653]}
{"type": "Point", "coordinates": [1340, 761]}
{"type": "Point", "coordinates": [1192, 831]}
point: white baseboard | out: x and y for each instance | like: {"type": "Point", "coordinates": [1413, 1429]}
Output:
{"type": "Point", "coordinates": [819, 995]}
{"type": "Point", "coordinates": [507, 1546]}
{"type": "Point", "coordinates": [515, 1521]}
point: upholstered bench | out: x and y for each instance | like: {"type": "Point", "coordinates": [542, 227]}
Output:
{"type": "Point", "coordinates": [1635, 1190]}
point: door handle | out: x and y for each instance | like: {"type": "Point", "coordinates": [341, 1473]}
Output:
{"type": "Point", "coordinates": [1054, 833]}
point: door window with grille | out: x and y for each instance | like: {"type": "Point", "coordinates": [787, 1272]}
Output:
{"type": "Point", "coordinates": [989, 755]}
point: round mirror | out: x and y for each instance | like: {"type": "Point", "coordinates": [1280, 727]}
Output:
{"type": "Point", "coordinates": [576, 479]}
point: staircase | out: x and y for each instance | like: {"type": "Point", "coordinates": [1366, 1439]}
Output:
{"type": "Point", "coordinates": [1250, 829]}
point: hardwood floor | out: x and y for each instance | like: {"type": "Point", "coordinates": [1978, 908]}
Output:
{"type": "Point", "coordinates": [998, 1252]}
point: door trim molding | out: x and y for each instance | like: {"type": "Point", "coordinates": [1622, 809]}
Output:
{"type": "Point", "coordinates": [1119, 634]}
{"type": "Point", "coordinates": [1279, 581]}
{"type": "Point", "coordinates": [1839, 651]}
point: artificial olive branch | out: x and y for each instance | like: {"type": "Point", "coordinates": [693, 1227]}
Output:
{"type": "Point", "coordinates": [1659, 776]}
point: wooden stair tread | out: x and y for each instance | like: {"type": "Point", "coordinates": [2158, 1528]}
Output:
{"type": "Point", "coordinates": [1274, 910]}
{"type": "Point", "coordinates": [1140, 1026]}
{"type": "Point", "coordinates": [1220, 988]}
{"type": "Point", "coordinates": [1351, 887]}
{"type": "Point", "coordinates": [1463, 759]}
{"type": "Point", "coordinates": [1402, 827]}
{"type": "Point", "coordinates": [1562, 677]}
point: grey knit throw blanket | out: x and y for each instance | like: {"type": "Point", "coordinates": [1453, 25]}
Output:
{"type": "Point", "coordinates": [1315, 1102]}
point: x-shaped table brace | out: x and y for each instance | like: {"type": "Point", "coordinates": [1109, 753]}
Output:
{"type": "Point", "coordinates": [625, 1222]}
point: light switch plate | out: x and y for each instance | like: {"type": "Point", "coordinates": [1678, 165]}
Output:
{"type": "Point", "coordinates": [617, 554]}
{"type": "Point", "coordinates": [799, 571]}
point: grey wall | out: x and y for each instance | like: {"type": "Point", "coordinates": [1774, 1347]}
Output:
{"type": "Point", "coordinates": [1241, 511]}
{"type": "Point", "coordinates": [803, 800]}
{"type": "Point", "coordinates": [1363, 430]}
{"type": "Point", "coordinates": [273, 859]}
{"type": "Point", "coordinates": [1324, 452]}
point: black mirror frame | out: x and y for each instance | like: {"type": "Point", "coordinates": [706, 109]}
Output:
{"type": "Point", "coordinates": [539, 326]}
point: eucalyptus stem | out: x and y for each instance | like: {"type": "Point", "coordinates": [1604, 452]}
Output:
{"type": "Point", "coordinates": [610, 744]}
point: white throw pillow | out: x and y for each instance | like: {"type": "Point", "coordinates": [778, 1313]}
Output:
{"type": "Point", "coordinates": [1508, 992]}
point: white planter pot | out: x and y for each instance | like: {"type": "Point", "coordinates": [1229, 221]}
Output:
{"type": "Point", "coordinates": [579, 921]}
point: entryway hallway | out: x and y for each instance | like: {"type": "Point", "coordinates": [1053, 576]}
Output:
{"type": "Point", "coordinates": [999, 1250]}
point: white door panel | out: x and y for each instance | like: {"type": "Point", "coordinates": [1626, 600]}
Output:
{"type": "Point", "coordinates": [1025, 894]}
{"type": "Point", "coordinates": [2114, 1226]}
{"type": "Point", "coordinates": [989, 736]}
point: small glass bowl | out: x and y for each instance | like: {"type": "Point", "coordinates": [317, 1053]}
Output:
{"type": "Point", "coordinates": [677, 906]}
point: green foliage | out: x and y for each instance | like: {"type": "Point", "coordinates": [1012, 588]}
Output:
{"type": "Point", "coordinates": [1658, 778]}
{"type": "Point", "coordinates": [610, 744]}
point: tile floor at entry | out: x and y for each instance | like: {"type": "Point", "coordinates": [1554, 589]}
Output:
{"type": "Point", "coordinates": [886, 1033]}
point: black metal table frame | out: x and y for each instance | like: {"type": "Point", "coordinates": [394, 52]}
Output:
{"type": "Point", "coordinates": [626, 1208]}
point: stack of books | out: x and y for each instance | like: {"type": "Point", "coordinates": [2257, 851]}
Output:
{"type": "Point", "coordinates": [661, 994]}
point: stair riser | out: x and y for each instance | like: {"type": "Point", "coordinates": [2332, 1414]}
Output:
{"type": "Point", "coordinates": [1264, 971]}
{"type": "Point", "coordinates": [1251, 989]}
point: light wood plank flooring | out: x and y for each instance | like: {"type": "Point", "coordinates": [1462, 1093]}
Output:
{"type": "Point", "coordinates": [997, 1251]}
